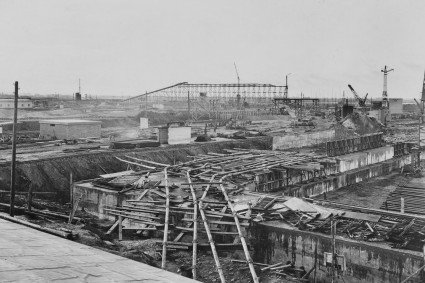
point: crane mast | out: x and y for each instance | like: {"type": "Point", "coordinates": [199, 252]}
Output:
{"type": "Point", "coordinates": [385, 70]}
{"type": "Point", "coordinates": [423, 89]}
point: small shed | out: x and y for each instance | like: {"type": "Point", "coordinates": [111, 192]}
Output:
{"type": "Point", "coordinates": [69, 129]}
{"type": "Point", "coordinates": [174, 135]}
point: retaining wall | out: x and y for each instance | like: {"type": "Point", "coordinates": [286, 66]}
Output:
{"type": "Point", "coordinates": [364, 261]}
{"type": "Point", "coordinates": [349, 177]}
{"type": "Point", "coordinates": [302, 140]}
{"type": "Point", "coordinates": [360, 159]}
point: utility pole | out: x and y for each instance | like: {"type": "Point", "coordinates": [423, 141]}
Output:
{"type": "Point", "coordinates": [13, 168]}
{"type": "Point", "coordinates": [238, 97]}
{"type": "Point", "coordinates": [421, 128]}
{"type": "Point", "coordinates": [285, 92]}
{"type": "Point", "coordinates": [188, 103]}
{"type": "Point", "coordinates": [333, 231]}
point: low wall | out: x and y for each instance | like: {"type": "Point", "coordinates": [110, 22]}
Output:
{"type": "Point", "coordinates": [360, 159]}
{"type": "Point", "coordinates": [302, 140]}
{"type": "Point", "coordinates": [364, 261]}
{"type": "Point", "coordinates": [95, 199]}
{"type": "Point", "coordinates": [349, 177]}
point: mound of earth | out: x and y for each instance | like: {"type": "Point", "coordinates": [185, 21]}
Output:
{"type": "Point", "coordinates": [361, 124]}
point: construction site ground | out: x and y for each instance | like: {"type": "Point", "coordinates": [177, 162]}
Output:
{"type": "Point", "coordinates": [92, 231]}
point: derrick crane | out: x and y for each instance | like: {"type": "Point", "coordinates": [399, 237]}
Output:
{"type": "Point", "coordinates": [361, 101]}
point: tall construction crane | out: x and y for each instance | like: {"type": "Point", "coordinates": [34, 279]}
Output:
{"type": "Point", "coordinates": [361, 101]}
{"type": "Point", "coordinates": [238, 97]}
{"type": "Point", "coordinates": [385, 70]}
{"type": "Point", "coordinates": [421, 132]}
{"type": "Point", "coordinates": [423, 89]}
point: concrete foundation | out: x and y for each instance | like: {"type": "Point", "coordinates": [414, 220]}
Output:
{"type": "Point", "coordinates": [302, 140]}
{"type": "Point", "coordinates": [360, 159]}
{"type": "Point", "coordinates": [359, 261]}
{"type": "Point", "coordinates": [349, 177]}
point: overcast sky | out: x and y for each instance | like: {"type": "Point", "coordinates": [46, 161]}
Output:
{"type": "Point", "coordinates": [129, 47]}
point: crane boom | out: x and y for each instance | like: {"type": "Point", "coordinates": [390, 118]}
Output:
{"type": "Point", "coordinates": [237, 73]}
{"type": "Point", "coordinates": [361, 101]}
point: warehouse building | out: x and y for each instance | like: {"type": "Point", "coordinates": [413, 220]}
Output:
{"type": "Point", "coordinates": [69, 129]}
{"type": "Point", "coordinates": [9, 103]}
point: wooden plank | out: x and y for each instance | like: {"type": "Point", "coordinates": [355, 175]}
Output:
{"type": "Point", "coordinates": [117, 174]}
{"type": "Point", "coordinates": [167, 216]}
{"type": "Point", "coordinates": [200, 183]}
{"type": "Point", "coordinates": [181, 234]}
{"type": "Point", "coordinates": [203, 231]}
{"type": "Point", "coordinates": [134, 163]}
{"type": "Point", "coordinates": [148, 161]}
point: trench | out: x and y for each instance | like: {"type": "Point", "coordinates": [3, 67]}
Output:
{"type": "Point", "coordinates": [54, 174]}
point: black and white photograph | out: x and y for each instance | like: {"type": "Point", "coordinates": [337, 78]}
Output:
{"type": "Point", "coordinates": [238, 141]}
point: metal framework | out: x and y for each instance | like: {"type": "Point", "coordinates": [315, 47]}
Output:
{"type": "Point", "coordinates": [350, 145]}
{"type": "Point", "coordinates": [181, 91]}
{"type": "Point", "coordinates": [298, 104]}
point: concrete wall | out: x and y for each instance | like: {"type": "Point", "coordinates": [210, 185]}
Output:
{"type": "Point", "coordinates": [349, 177]}
{"type": "Point", "coordinates": [301, 140]}
{"type": "Point", "coordinates": [144, 124]}
{"type": "Point", "coordinates": [364, 261]}
{"type": "Point", "coordinates": [174, 135]}
{"type": "Point", "coordinates": [71, 131]}
{"type": "Point", "coordinates": [179, 135]}
{"type": "Point", "coordinates": [360, 159]}
{"type": "Point", "coordinates": [95, 200]}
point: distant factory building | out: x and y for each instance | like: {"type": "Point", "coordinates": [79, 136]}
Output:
{"type": "Point", "coordinates": [9, 103]}
{"type": "Point", "coordinates": [69, 129]}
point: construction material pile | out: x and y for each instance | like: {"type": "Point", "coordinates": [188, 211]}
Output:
{"type": "Point", "coordinates": [361, 124]}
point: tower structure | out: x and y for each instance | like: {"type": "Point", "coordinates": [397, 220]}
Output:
{"type": "Point", "coordinates": [423, 90]}
{"type": "Point", "coordinates": [385, 70]}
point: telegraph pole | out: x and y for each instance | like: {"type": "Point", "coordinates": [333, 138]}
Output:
{"type": "Point", "coordinates": [285, 93]}
{"type": "Point", "coordinates": [238, 97]}
{"type": "Point", "coordinates": [13, 167]}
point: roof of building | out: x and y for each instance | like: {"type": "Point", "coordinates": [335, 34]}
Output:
{"type": "Point", "coordinates": [7, 123]}
{"type": "Point", "coordinates": [69, 122]}
{"type": "Point", "coordinates": [12, 98]}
